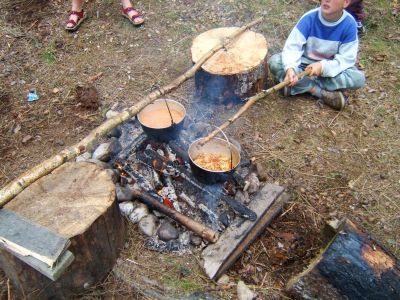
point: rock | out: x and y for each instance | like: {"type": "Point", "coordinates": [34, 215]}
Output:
{"type": "Point", "coordinates": [262, 174]}
{"type": "Point", "coordinates": [55, 90]}
{"type": "Point", "coordinates": [184, 238]}
{"type": "Point", "coordinates": [126, 208]}
{"type": "Point", "coordinates": [195, 239]}
{"type": "Point", "coordinates": [243, 292]}
{"type": "Point", "coordinates": [224, 280]}
{"type": "Point", "coordinates": [242, 196]}
{"type": "Point", "coordinates": [253, 183]}
{"type": "Point", "coordinates": [138, 213]}
{"type": "Point", "coordinates": [104, 151]}
{"type": "Point", "coordinates": [148, 224]}
{"type": "Point", "coordinates": [59, 142]}
{"type": "Point", "coordinates": [83, 157]}
{"type": "Point", "coordinates": [101, 164]}
{"type": "Point", "coordinates": [167, 232]}
{"type": "Point", "coordinates": [111, 114]}
{"type": "Point", "coordinates": [26, 139]}
{"type": "Point", "coordinates": [124, 193]}
{"type": "Point", "coordinates": [115, 132]}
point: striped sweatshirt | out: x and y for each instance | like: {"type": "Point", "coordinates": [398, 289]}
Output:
{"type": "Point", "coordinates": [334, 44]}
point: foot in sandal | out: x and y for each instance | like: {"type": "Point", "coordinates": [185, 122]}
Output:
{"type": "Point", "coordinates": [131, 13]}
{"type": "Point", "coordinates": [76, 16]}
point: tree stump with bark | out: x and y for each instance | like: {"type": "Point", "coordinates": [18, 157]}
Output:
{"type": "Point", "coordinates": [76, 201]}
{"type": "Point", "coordinates": [237, 71]}
{"type": "Point", "coordinates": [353, 266]}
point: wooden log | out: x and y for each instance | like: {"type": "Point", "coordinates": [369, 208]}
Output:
{"type": "Point", "coordinates": [235, 72]}
{"type": "Point", "coordinates": [76, 201]}
{"type": "Point", "coordinates": [353, 266]}
{"type": "Point", "coordinates": [19, 184]}
{"type": "Point", "coordinates": [220, 256]}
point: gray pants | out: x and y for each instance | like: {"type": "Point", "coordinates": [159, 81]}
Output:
{"type": "Point", "coordinates": [351, 78]}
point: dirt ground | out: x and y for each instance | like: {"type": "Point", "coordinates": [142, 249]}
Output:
{"type": "Point", "coordinates": [333, 164]}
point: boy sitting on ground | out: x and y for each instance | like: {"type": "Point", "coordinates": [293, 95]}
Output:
{"type": "Point", "coordinates": [325, 43]}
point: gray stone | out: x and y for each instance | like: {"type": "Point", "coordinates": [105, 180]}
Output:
{"type": "Point", "coordinates": [124, 193]}
{"type": "Point", "coordinates": [224, 280]}
{"type": "Point", "coordinates": [195, 239]}
{"type": "Point", "coordinates": [148, 224]}
{"type": "Point", "coordinates": [83, 157]}
{"type": "Point", "coordinates": [244, 293]}
{"type": "Point", "coordinates": [254, 183]}
{"type": "Point", "coordinates": [138, 213]}
{"type": "Point", "coordinates": [104, 151]}
{"type": "Point", "coordinates": [111, 114]}
{"type": "Point", "coordinates": [126, 208]}
{"type": "Point", "coordinates": [167, 232]}
{"type": "Point", "coordinates": [184, 238]}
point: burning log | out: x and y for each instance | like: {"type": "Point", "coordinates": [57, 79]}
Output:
{"type": "Point", "coordinates": [201, 230]}
{"type": "Point", "coordinates": [19, 184]}
{"type": "Point", "coordinates": [234, 72]}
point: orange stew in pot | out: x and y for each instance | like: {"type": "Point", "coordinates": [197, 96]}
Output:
{"type": "Point", "coordinates": [213, 162]}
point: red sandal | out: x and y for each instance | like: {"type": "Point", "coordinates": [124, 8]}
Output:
{"type": "Point", "coordinates": [81, 17]}
{"type": "Point", "coordinates": [135, 17]}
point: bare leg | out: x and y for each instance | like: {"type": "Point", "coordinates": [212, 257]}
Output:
{"type": "Point", "coordinates": [127, 3]}
{"type": "Point", "coordinates": [76, 6]}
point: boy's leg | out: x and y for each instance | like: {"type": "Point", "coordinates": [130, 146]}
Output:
{"type": "Point", "coordinates": [277, 70]}
{"type": "Point", "coordinates": [351, 78]}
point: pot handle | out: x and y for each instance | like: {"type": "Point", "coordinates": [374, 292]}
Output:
{"type": "Point", "coordinates": [229, 143]}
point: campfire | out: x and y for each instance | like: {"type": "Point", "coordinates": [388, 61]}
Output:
{"type": "Point", "coordinates": [161, 171]}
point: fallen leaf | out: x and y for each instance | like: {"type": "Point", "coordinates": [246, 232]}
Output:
{"type": "Point", "coordinates": [95, 77]}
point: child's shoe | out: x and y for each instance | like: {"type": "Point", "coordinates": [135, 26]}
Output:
{"type": "Point", "coordinates": [334, 99]}
{"type": "Point", "coordinates": [360, 28]}
{"type": "Point", "coordinates": [286, 91]}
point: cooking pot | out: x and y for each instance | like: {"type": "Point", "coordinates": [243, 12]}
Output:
{"type": "Point", "coordinates": [215, 146]}
{"type": "Point", "coordinates": [163, 119]}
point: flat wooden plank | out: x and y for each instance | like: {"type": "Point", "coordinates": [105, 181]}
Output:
{"type": "Point", "coordinates": [220, 256]}
{"type": "Point", "coordinates": [22, 236]}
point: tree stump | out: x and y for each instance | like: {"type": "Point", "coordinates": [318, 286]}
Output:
{"type": "Point", "coordinates": [76, 201]}
{"type": "Point", "coordinates": [236, 72]}
{"type": "Point", "coordinates": [353, 266]}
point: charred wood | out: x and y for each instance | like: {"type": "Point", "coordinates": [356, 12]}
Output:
{"type": "Point", "coordinates": [239, 208]}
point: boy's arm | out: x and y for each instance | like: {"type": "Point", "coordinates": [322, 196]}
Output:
{"type": "Point", "coordinates": [293, 50]}
{"type": "Point", "coordinates": [344, 59]}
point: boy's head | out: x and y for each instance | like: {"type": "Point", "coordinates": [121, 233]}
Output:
{"type": "Point", "coordinates": [332, 10]}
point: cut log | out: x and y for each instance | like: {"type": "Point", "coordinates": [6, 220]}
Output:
{"type": "Point", "coordinates": [234, 241]}
{"type": "Point", "coordinates": [353, 266]}
{"type": "Point", "coordinates": [235, 72]}
{"type": "Point", "coordinates": [77, 202]}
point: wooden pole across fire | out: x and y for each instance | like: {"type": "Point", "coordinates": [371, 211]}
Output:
{"type": "Point", "coordinates": [249, 103]}
{"type": "Point", "coordinates": [20, 183]}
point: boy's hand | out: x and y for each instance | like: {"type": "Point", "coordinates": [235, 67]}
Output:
{"type": "Point", "coordinates": [315, 69]}
{"type": "Point", "coordinates": [292, 77]}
